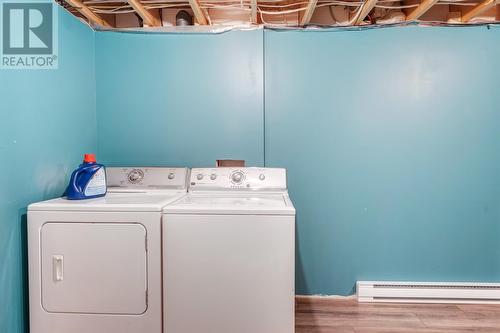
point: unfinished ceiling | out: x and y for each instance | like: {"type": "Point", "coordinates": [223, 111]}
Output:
{"type": "Point", "coordinates": [289, 13]}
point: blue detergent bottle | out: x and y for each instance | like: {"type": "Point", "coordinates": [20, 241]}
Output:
{"type": "Point", "coordinates": [88, 181]}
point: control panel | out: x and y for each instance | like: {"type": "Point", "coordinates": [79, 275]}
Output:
{"type": "Point", "coordinates": [146, 177]}
{"type": "Point", "coordinates": [238, 178]}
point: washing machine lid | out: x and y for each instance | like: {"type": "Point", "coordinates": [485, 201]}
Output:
{"type": "Point", "coordinates": [114, 202]}
{"type": "Point", "coordinates": [233, 203]}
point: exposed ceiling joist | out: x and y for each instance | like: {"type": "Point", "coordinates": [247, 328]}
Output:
{"type": "Point", "coordinates": [366, 8]}
{"type": "Point", "coordinates": [421, 9]}
{"type": "Point", "coordinates": [148, 18]}
{"type": "Point", "coordinates": [279, 12]}
{"type": "Point", "coordinates": [198, 12]}
{"type": "Point", "coordinates": [253, 17]}
{"type": "Point", "coordinates": [85, 11]}
{"type": "Point", "coordinates": [309, 12]}
{"type": "Point", "coordinates": [478, 10]}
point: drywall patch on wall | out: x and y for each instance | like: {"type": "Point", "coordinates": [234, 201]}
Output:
{"type": "Point", "coordinates": [179, 100]}
{"type": "Point", "coordinates": [48, 122]}
{"type": "Point", "coordinates": [391, 139]}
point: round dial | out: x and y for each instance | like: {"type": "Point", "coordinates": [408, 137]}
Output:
{"type": "Point", "coordinates": [262, 176]}
{"type": "Point", "coordinates": [199, 176]}
{"type": "Point", "coordinates": [171, 175]}
{"type": "Point", "coordinates": [237, 177]}
{"type": "Point", "coordinates": [213, 176]}
{"type": "Point", "coordinates": [135, 176]}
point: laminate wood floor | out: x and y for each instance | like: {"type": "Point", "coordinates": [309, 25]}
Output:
{"type": "Point", "coordinates": [327, 315]}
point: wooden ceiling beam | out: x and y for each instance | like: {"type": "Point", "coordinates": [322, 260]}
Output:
{"type": "Point", "coordinates": [366, 8]}
{"type": "Point", "coordinates": [147, 18]}
{"type": "Point", "coordinates": [306, 18]}
{"type": "Point", "coordinates": [198, 12]}
{"type": "Point", "coordinates": [478, 10]}
{"type": "Point", "coordinates": [89, 14]}
{"type": "Point", "coordinates": [421, 9]}
{"type": "Point", "coordinates": [253, 16]}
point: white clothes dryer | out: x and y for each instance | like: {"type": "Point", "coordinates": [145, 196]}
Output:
{"type": "Point", "coordinates": [95, 265]}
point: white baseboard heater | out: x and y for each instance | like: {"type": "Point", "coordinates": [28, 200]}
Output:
{"type": "Point", "coordinates": [428, 292]}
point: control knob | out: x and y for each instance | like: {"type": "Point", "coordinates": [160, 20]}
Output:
{"type": "Point", "coordinates": [237, 177]}
{"type": "Point", "coordinates": [135, 176]}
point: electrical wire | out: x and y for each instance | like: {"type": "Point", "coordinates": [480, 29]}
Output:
{"type": "Point", "coordinates": [397, 7]}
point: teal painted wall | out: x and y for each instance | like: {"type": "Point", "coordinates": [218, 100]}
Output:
{"type": "Point", "coordinates": [48, 122]}
{"type": "Point", "coordinates": [173, 99]}
{"type": "Point", "coordinates": [391, 138]}
{"type": "Point", "coordinates": [398, 128]}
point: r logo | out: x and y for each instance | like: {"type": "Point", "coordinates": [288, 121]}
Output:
{"type": "Point", "coordinates": [27, 28]}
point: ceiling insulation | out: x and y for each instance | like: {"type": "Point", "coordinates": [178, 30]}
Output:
{"type": "Point", "coordinates": [286, 13]}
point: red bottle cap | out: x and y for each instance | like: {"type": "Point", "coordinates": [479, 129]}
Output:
{"type": "Point", "coordinates": [89, 158]}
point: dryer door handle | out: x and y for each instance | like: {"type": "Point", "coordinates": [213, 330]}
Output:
{"type": "Point", "coordinates": [58, 264]}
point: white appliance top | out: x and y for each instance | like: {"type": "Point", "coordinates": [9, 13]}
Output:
{"type": "Point", "coordinates": [237, 179]}
{"type": "Point", "coordinates": [129, 189]}
{"type": "Point", "coordinates": [235, 191]}
{"type": "Point", "coordinates": [232, 203]}
{"type": "Point", "coordinates": [115, 202]}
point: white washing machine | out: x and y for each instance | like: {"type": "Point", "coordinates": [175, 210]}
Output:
{"type": "Point", "coordinates": [95, 265]}
{"type": "Point", "coordinates": [229, 254]}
